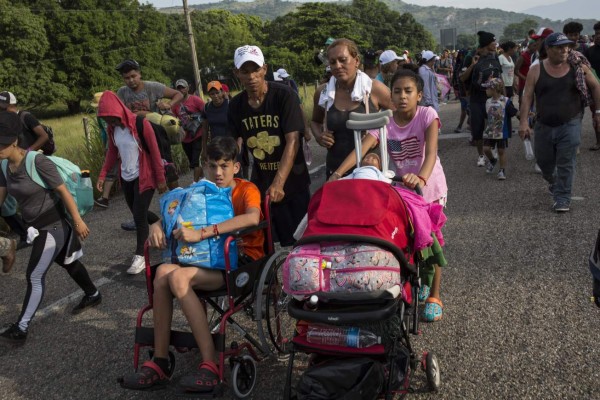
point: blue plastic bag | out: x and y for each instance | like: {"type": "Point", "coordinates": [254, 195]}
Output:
{"type": "Point", "coordinates": [198, 206]}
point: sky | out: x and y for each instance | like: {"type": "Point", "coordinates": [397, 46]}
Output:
{"type": "Point", "coordinates": [507, 5]}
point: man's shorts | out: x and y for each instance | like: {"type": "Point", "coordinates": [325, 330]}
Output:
{"type": "Point", "coordinates": [499, 143]}
{"type": "Point", "coordinates": [286, 215]}
{"type": "Point", "coordinates": [478, 117]}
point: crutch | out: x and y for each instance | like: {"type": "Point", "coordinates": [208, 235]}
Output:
{"type": "Point", "coordinates": [359, 122]}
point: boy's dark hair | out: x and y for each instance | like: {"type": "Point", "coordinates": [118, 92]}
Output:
{"type": "Point", "coordinates": [128, 65]}
{"type": "Point", "coordinates": [596, 26]}
{"type": "Point", "coordinates": [572, 27]}
{"type": "Point", "coordinates": [407, 73]}
{"type": "Point", "coordinates": [222, 148]}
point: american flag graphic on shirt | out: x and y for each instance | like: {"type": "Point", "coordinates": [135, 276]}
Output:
{"type": "Point", "coordinates": [401, 150]}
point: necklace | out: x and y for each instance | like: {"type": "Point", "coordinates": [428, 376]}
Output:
{"type": "Point", "coordinates": [258, 99]}
{"type": "Point", "coordinates": [337, 86]}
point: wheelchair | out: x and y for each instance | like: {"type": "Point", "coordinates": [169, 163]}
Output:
{"type": "Point", "coordinates": [253, 291]}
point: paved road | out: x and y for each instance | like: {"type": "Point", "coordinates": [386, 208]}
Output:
{"type": "Point", "coordinates": [518, 323]}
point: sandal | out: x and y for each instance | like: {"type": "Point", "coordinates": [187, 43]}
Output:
{"type": "Point", "coordinates": [595, 147]}
{"type": "Point", "coordinates": [433, 310]}
{"type": "Point", "coordinates": [150, 377]}
{"type": "Point", "coordinates": [424, 292]}
{"type": "Point", "coordinates": [202, 381]}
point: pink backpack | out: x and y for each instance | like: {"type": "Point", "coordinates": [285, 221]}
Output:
{"type": "Point", "coordinates": [339, 268]}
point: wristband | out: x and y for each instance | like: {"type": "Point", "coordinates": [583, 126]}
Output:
{"type": "Point", "coordinates": [336, 174]}
{"type": "Point", "coordinates": [215, 230]}
{"type": "Point", "coordinates": [202, 232]}
{"type": "Point", "coordinates": [597, 111]}
{"type": "Point", "coordinates": [423, 179]}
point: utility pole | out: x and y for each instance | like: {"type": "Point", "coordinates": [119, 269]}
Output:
{"type": "Point", "coordinates": [188, 22]}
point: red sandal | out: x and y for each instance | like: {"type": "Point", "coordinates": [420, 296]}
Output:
{"type": "Point", "coordinates": [204, 380]}
{"type": "Point", "coordinates": [150, 377]}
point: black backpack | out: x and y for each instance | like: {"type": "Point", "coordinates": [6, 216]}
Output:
{"type": "Point", "coordinates": [49, 147]}
{"type": "Point", "coordinates": [162, 139]}
{"type": "Point", "coordinates": [164, 146]}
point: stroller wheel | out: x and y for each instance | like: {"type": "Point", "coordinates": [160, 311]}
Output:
{"type": "Point", "coordinates": [432, 370]}
{"type": "Point", "coordinates": [243, 377]}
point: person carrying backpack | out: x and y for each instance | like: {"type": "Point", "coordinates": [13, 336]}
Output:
{"type": "Point", "coordinates": [142, 169]}
{"type": "Point", "coordinates": [54, 234]}
{"type": "Point", "coordinates": [34, 135]}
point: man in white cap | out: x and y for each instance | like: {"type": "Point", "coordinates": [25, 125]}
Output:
{"type": "Point", "coordinates": [266, 117]}
{"type": "Point", "coordinates": [287, 79]}
{"type": "Point", "coordinates": [430, 93]}
{"type": "Point", "coordinates": [389, 62]}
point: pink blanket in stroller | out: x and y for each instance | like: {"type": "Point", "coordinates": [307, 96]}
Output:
{"type": "Point", "coordinates": [427, 218]}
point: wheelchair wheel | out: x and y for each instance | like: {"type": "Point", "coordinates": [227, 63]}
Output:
{"type": "Point", "coordinates": [243, 377]}
{"type": "Point", "coordinates": [271, 305]}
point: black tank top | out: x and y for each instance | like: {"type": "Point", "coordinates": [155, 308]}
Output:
{"type": "Point", "coordinates": [344, 137]}
{"type": "Point", "coordinates": [557, 99]}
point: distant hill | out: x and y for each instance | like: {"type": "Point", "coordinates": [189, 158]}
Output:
{"type": "Point", "coordinates": [576, 8]}
{"type": "Point", "coordinates": [465, 20]}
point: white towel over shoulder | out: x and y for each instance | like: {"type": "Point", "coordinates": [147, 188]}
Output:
{"type": "Point", "coordinates": [362, 87]}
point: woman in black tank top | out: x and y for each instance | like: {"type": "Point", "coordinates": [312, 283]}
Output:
{"type": "Point", "coordinates": [344, 60]}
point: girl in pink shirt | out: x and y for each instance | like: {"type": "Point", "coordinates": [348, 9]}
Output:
{"type": "Point", "coordinates": [412, 144]}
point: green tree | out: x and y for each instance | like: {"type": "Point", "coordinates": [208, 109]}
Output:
{"type": "Point", "coordinates": [89, 37]}
{"type": "Point", "coordinates": [518, 31]}
{"type": "Point", "coordinates": [23, 47]}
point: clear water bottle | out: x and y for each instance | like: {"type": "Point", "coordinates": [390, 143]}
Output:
{"type": "Point", "coordinates": [341, 336]}
{"type": "Point", "coordinates": [528, 149]}
{"type": "Point", "coordinates": [307, 153]}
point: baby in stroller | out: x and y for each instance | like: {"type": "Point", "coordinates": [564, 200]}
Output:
{"type": "Point", "coordinates": [180, 281]}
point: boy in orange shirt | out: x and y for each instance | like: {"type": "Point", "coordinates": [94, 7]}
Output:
{"type": "Point", "coordinates": [180, 281]}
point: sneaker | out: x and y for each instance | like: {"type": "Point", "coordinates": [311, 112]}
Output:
{"type": "Point", "coordinates": [137, 265]}
{"type": "Point", "coordinates": [481, 161]}
{"type": "Point", "coordinates": [13, 335]}
{"type": "Point", "coordinates": [458, 130]}
{"type": "Point", "coordinates": [561, 207]}
{"type": "Point", "coordinates": [87, 302]}
{"type": "Point", "coordinates": [101, 202]}
{"type": "Point", "coordinates": [501, 175]}
{"type": "Point", "coordinates": [490, 165]}
{"type": "Point", "coordinates": [129, 226]}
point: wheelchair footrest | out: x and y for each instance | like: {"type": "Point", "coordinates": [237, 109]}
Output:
{"type": "Point", "coordinates": [179, 339]}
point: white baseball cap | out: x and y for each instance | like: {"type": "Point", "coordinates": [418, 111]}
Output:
{"type": "Point", "coordinates": [282, 73]}
{"type": "Point", "coordinates": [248, 53]}
{"type": "Point", "coordinates": [388, 56]}
{"type": "Point", "coordinates": [427, 55]}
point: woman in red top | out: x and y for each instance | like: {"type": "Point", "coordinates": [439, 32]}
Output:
{"type": "Point", "coordinates": [188, 111]}
{"type": "Point", "coordinates": [141, 171]}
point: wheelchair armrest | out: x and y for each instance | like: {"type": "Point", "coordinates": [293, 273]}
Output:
{"type": "Point", "coordinates": [261, 226]}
